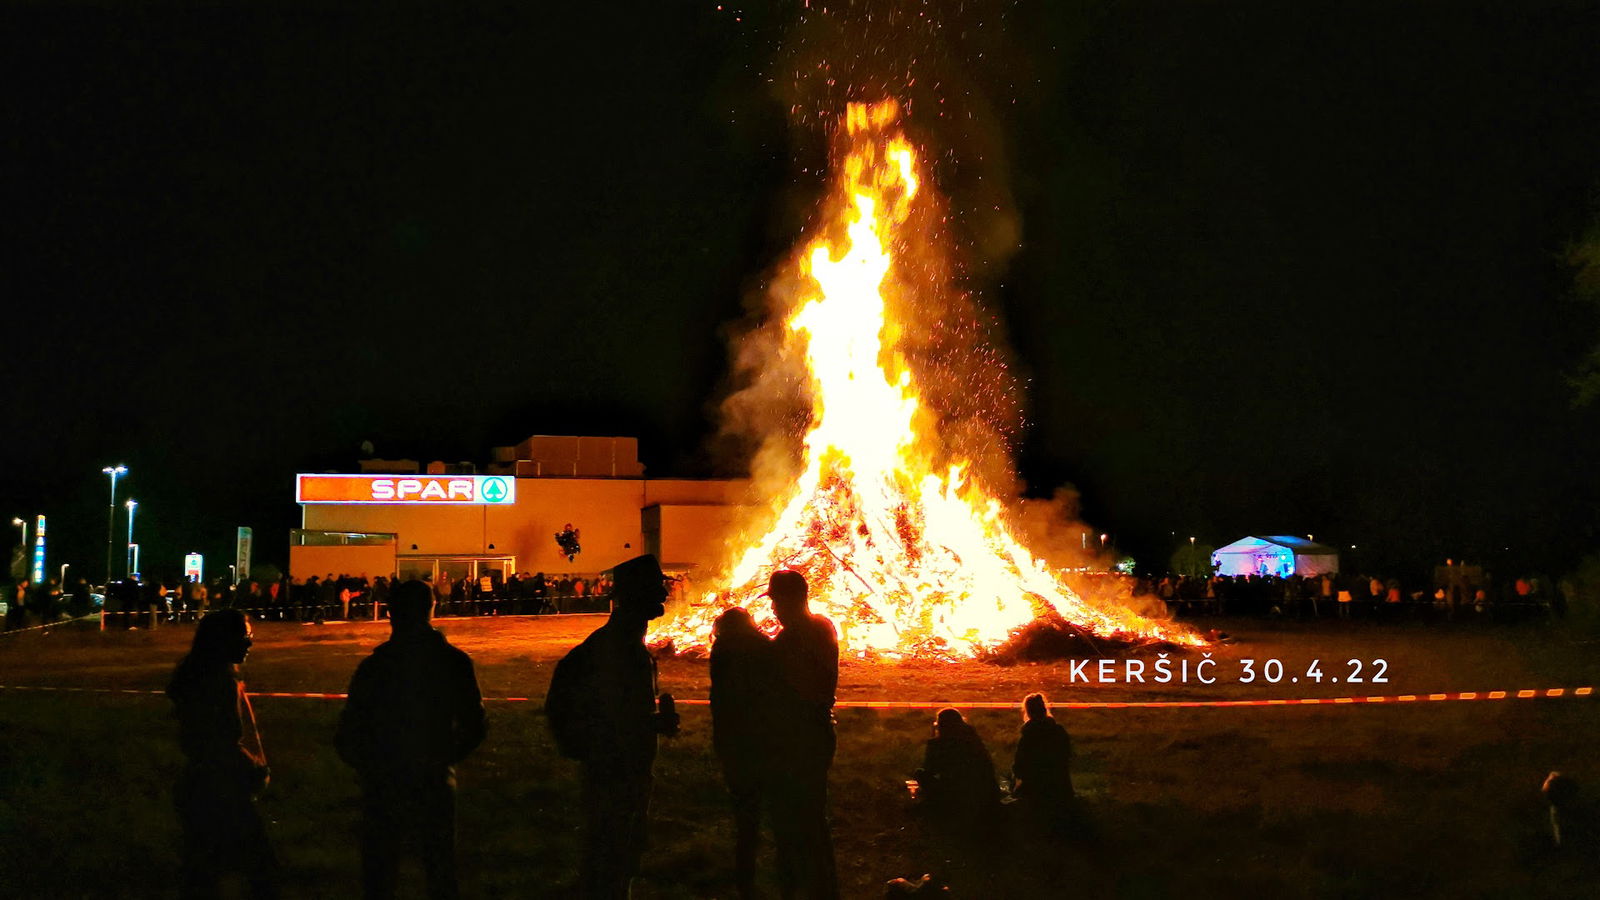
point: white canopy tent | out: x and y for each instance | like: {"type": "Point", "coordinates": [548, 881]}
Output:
{"type": "Point", "coordinates": [1278, 555]}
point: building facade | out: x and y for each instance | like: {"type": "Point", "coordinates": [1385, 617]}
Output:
{"type": "Point", "coordinates": [397, 517]}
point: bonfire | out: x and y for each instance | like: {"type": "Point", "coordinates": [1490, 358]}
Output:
{"type": "Point", "coordinates": [904, 550]}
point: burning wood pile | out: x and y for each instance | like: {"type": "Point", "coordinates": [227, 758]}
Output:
{"type": "Point", "coordinates": [906, 551]}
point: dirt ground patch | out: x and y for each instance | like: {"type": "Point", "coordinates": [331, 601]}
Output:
{"type": "Point", "coordinates": [1434, 799]}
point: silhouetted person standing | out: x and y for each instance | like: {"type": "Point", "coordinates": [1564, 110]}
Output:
{"type": "Point", "coordinates": [743, 679]}
{"type": "Point", "coordinates": [541, 593]}
{"type": "Point", "coordinates": [224, 765]}
{"type": "Point", "coordinates": [414, 712]}
{"type": "Point", "coordinates": [327, 597]}
{"type": "Point", "coordinates": [309, 592]}
{"type": "Point", "coordinates": [602, 711]}
{"type": "Point", "coordinates": [806, 654]}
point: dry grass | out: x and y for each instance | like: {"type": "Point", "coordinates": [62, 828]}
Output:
{"type": "Point", "coordinates": [1435, 800]}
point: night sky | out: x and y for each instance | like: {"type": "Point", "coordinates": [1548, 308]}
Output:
{"type": "Point", "coordinates": [1263, 268]}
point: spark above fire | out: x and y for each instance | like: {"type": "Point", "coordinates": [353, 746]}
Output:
{"type": "Point", "coordinates": [906, 552]}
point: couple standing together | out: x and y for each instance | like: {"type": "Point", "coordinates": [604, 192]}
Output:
{"type": "Point", "coordinates": [772, 728]}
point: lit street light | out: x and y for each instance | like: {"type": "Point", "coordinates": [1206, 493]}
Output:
{"type": "Point", "coordinates": [23, 524]}
{"type": "Point", "coordinates": [132, 504]}
{"type": "Point", "coordinates": [111, 517]}
{"type": "Point", "coordinates": [64, 575]}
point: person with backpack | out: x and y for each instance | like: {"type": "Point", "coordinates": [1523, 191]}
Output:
{"type": "Point", "coordinates": [603, 711]}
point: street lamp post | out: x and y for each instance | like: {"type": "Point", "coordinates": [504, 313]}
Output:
{"type": "Point", "coordinates": [23, 553]}
{"type": "Point", "coordinates": [132, 505]}
{"type": "Point", "coordinates": [111, 516]}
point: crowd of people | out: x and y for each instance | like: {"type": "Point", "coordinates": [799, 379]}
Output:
{"type": "Point", "coordinates": [141, 602]}
{"type": "Point", "coordinates": [137, 602]}
{"type": "Point", "coordinates": [318, 598]}
{"type": "Point", "coordinates": [41, 603]}
{"type": "Point", "coordinates": [1346, 596]}
{"type": "Point", "coordinates": [414, 711]}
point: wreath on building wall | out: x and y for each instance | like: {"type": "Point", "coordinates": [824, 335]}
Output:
{"type": "Point", "coordinates": [567, 540]}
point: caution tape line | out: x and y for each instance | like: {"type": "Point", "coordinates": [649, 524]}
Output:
{"type": "Point", "coordinates": [56, 624]}
{"type": "Point", "coordinates": [1196, 704]}
{"type": "Point", "coordinates": [973, 704]}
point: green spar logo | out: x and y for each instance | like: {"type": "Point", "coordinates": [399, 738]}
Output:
{"type": "Point", "coordinates": [494, 490]}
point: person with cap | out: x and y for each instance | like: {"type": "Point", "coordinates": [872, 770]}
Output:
{"type": "Point", "coordinates": [603, 710]}
{"type": "Point", "coordinates": [414, 712]}
{"type": "Point", "coordinates": [806, 655]}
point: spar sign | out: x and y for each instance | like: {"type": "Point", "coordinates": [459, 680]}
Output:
{"type": "Point", "coordinates": [460, 490]}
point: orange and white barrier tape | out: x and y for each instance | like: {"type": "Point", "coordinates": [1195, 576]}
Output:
{"type": "Point", "coordinates": [1526, 694]}
{"type": "Point", "coordinates": [1194, 704]}
{"type": "Point", "coordinates": [56, 624]}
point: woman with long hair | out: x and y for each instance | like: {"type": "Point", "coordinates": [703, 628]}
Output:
{"type": "Point", "coordinates": [1042, 772]}
{"type": "Point", "coordinates": [224, 765]}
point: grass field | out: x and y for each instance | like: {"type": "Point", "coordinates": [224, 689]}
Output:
{"type": "Point", "coordinates": [1416, 799]}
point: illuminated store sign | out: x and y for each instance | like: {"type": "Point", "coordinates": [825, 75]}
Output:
{"type": "Point", "coordinates": [408, 489]}
{"type": "Point", "coordinates": [38, 550]}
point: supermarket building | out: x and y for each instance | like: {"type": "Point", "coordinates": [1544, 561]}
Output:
{"type": "Point", "coordinates": [399, 517]}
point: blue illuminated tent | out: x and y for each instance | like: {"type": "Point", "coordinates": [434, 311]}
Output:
{"type": "Point", "coordinates": [1277, 554]}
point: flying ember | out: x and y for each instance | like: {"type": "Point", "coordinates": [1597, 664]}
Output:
{"type": "Point", "coordinates": [903, 550]}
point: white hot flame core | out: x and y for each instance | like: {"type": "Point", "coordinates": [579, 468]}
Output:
{"type": "Point", "coordinates": [905, 558]}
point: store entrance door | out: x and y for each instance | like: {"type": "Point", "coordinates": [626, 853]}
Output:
{"type": "Point", "coordinates": [459, 581]}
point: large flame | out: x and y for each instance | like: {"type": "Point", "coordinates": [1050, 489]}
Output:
{"type": "Point", "coordinates": [907, 556]}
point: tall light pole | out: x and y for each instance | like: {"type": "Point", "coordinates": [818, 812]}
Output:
{"type": "Point", "coordinates": [132, 505]}
{"type": "Point", "coordinates": [111, 516]}
{"type": "Point", "coordinates": [23, 524]}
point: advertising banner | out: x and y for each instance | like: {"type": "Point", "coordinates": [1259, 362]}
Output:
{"type": "Point", "coordinates": [38, 550]}
{"type": "Point", "coordinates": [241, 555]}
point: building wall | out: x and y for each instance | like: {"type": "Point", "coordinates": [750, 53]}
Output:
{"type": "Point", "coordinates": [608, 513]}
{"type": "Point", "coordinates": [355, 560]}
{"type": "Point", "coordinates": [724, 492]}
{"type": "Point", "coordinates": [693, 536]}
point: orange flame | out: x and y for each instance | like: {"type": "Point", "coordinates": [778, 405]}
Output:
{"type": "Point", "coordinates": [906, 556]}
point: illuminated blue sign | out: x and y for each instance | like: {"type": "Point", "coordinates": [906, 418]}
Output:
{"type": "Point", "coordinates": [38, 550]}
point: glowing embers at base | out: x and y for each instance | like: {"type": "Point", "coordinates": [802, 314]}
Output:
{"type": "Point", "coordinates": [906, 554]}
